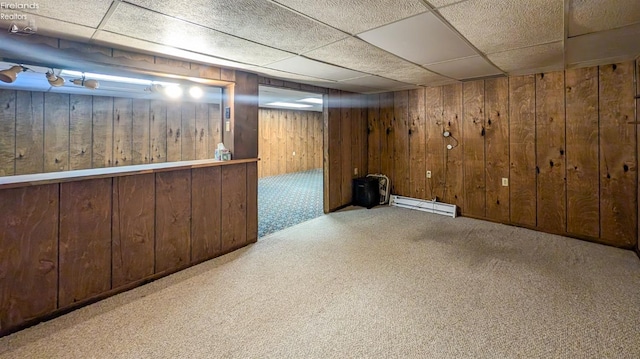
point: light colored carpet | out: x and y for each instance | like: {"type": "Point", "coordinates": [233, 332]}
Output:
{"type": "Point", "coordinates": [380, 283]}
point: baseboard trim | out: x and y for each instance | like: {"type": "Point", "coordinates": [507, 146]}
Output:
{"type": "Point", "coordinates": [338, 208]}
{"type": "Point", "coordinates": [564, 234]}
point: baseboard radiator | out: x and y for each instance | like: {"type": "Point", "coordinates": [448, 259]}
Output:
{"type": "Point", "coordinates": [444, 209]}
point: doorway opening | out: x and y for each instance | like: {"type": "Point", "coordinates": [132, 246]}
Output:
{"type": "Point", "coordinates": [290, 148]}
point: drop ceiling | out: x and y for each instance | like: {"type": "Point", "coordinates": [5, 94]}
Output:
{"type": "Point", "coordinates": [363, 46]}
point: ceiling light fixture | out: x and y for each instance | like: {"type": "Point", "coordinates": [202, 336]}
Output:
{"type": "Point", "coordinates": [90, 84]}
{"type": "Point", "coordinates": [173, 91]}
{"type": "Point", "coordinates": [314, 100]}
{"type": "Point", "coordinates": [11, 74]}
{"type": "Point", "coordinates": [55, 81]}
{"type": "Point", "coordinates": [195, 92]}
{"type": "Point", "coordinates": [121, 79]}
{"type": "Point", "coordinates": [288, 104]}
{"type": "Point", "coordinates": [154, 88]}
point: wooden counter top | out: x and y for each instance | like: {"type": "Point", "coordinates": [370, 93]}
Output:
{"type": "Point", "coordinates": [78, 175]}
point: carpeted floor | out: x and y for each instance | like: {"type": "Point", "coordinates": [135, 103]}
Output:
{"type": "Point", "coordinates": [288, 199]}
{"type": "Point", "coordinates": [380, 283]}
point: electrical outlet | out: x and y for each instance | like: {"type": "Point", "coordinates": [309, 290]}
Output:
{"type": "Point", "coordinates": [294, 153]}
{"type": "Point", "coordinates": [355, 171]}
{"type": "Point", "coordinates": [428, 174]}
{"type": "Point", "coordinates": [505, 182]}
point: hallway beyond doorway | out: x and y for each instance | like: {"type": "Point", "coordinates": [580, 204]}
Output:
{"type": "Point", "coordinates": [288, 199]}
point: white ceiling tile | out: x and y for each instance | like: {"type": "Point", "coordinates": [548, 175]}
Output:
{"type": "Point", "coordinates": [353, 88]}
{"type": "Point", "coordinates": [150, 26]}
{"type": "Point", "coordinates": [301, 65]}
{"type": "Point", "coordinates": [355, 16]}
{"type": "Point", "coordinates": [604, 47]}
{"type": "Point", "coordinates": [256, 20]}
{"type": "Point", "coordinates": [374, 82]}
{"type": "Point", "coordinates": [86, 12]}
{"type": "Point", "coordinates": [422, 39]}
{"type": "Point", "coordinates": [110, 39]}
{"type": "Point", "coordinates": [547, 56]}
{"type": "Point", "coordinates": [360, 56]}
{"type": "Point", "coordinates": [586, 16]}
{"type": "Point", "coordinates": [466, 68]}
{"type": "Point", "coordinates": [51, 27]}
{"type": "Point", "coordinates": [444, 81]}
{"type": "Point", "coordinates": [286, 75]}
{"type": "Point", "coordinates": [442, 3]}
{"type": "Point", "coordinates": [499, 25]}
{"type": "Point", "coordinates": [412, 74]}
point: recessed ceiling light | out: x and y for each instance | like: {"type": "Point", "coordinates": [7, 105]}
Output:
{"type": "Point", "coordinates": [312, 100]}
{"type": "Point", "coordinates": [287, 104]}
{"type": "Point", "coordinates": [195, 92]}
{"type": "Point", "coordinates": [173, 91]}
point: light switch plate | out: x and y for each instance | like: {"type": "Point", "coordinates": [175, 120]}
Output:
{"type": "Point", "coordinates": [505, 182]}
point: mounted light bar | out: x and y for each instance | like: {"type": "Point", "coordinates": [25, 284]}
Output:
{"type": "Point", "coordinates": [288, 104]}
{"type": "Point", "coordinates": [121, 79]}
{"type": "Point", "coordinates": [314, 100]}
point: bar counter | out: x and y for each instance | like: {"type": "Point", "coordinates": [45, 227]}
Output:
{"type": "Point", "coordinates": [70, 238]}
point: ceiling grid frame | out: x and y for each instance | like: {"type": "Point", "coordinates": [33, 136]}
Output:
{"type": "Point", "coordinates": [588, 36]}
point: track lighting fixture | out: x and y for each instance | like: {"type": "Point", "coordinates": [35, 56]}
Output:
{"type": "Point", "coordinates": [11, 74]}
{"type": "Point", "coordinates": [90, 84]}
{"type": "Point", "coordinates": [55, 81]}
{"type": "Point", "coordinates": [61, 78]}
{"type": "Point", "coordinates": [154, 88]}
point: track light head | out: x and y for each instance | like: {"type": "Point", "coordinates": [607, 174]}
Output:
{"type": "Point", "coordinates": [11, 74]}
{"type": "Point", "coordinates": [90, 84]}
{"type": "Point", "coordinates": [154, 88]}
{"type": "Point", "coordinates": [55, 81]}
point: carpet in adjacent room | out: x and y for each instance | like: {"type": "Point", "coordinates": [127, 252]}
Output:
{"type": "Point", "coordinates": [288, 199]}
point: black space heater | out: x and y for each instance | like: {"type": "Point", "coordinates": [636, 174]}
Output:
{"type": "Point", "coordinates": [366, 192]}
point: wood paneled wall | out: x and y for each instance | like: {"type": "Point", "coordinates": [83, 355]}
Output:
{"type": "Point", "coordinates": [638, 143]}
{"type": "Point", "coordinates": [242, 137]}
{"type": "Point", "coordinates": [49, 132]}
{"type": "Point", "coordinates": [345, 145]}
{"type": "Point", "coordinates": [285, 132]}
{"type": "Point", "coordinates": [563, 140]}
{"type": "Point", "coordinates": [69, 243]}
